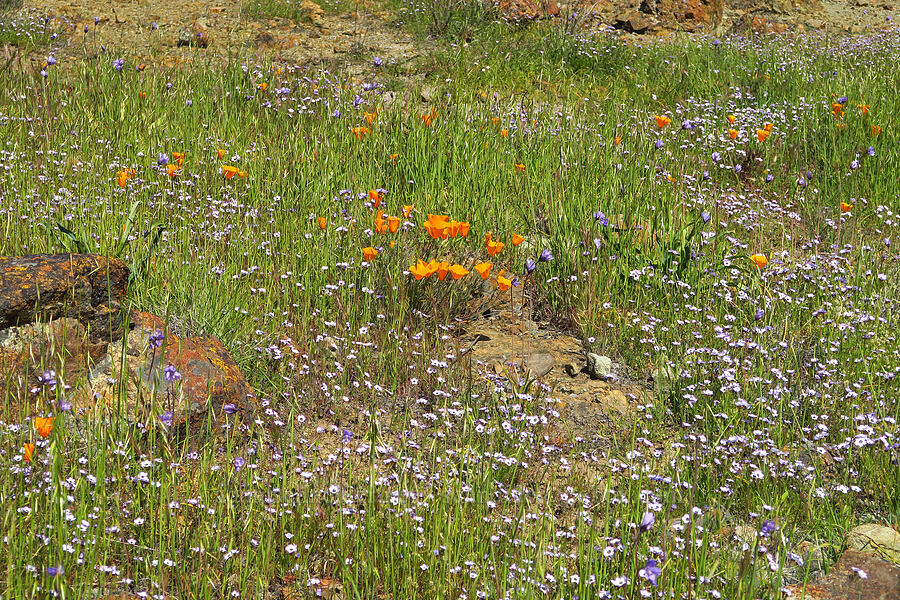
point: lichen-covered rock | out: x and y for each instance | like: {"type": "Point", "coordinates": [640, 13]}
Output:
{"type": "Point", "coordinates": [185, 383]}
{"type": "Point", "coordinates": [42, 287]}
{"type": "Point", "coordinates": [527, 10]}
{"type": "Point", "coordinates": [876, 540]}
{"type": "Point", "coordinates": [855, 575]}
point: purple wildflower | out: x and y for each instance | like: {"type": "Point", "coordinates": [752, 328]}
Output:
{"type": "Point", "coordinates": [768, 527]}
{"type": "Point", "coordinates": [166, 418]}
{"type": "Point", "coordinates": [48, 378]}
{"type": "Point", "coordinates": [239, 462]}
{"type": "Point", "coordinates": [705, 216]}
{"type": "Point", "coordinates": [601, 218]}
{"type": "Point", "coordinates": [647, 521]}
{"type": "Point", "coordinates": [230, 408]}
{"type": "Point", "coordinates": [651, 572]}
{"type": "Point", "coordinates": [546, 256]}
{"type": "Point", "coordinates": [171, 373]}
{"type": "Point", "coordinates": [530, 266]}
{"type": "Point", "coordinates": [377, 62]}
{"type": "Point", "coordinates": [157, 337]}
{"type": "Point", "coordinates": [660, 144]}
{"type": "Point", "coordinates": [118, 64]}
{"type": "Point", "coordinates": [870, 150]}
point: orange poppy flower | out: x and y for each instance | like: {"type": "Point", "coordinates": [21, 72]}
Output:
{"type": "Point", "coordinates": [263, 86]}
{"type": "Point", "coordinates": [407, 210]}
{"type": "Point", "coordinates": [863, 108]}
{"type": "Point", "coordinates": [142, 95]}
{"type": "Point", "coordinates": [370, 116]}
{"type": "Point", "coordinates": [488, 237]}
{"type": "Point", "coordinates": [220, 154]}
{"type": "Point", "coordinates": [464, 228]}
{"type": "Point", "coordinates": [458, 271]}
{"type": "Point", "coordinates": [504, 132]}
{"type": "Point", "coordinates": [768, 126]}
{"type": "Point", "coordinates": [732, 133]}
{"type": "Point", "coordinates": [230, 171]}
{"type": "Point", "coordinates": [618, 140]}
{"type": "Point", "coordinates": [759, 260]}
{"type": "Point", "coordinates": [178, 157]}
{"type": "Point", "coordinates": [122, 177]}
{"type": "Point", "coordinates": [875, 130]}
{"type": "Point", "coordinates": [484, 269]}
{"type": "Point", "coordinates": [323, 222]}
{"type": "Point", "coordinates": [422, 270]}
{"type": "Point", "coordinates": [837, 109]}
{"type": "Point", "coordinates": [369, 253]}
{"type": "Point", "coordinates": [517, 239]}
{"type": "Point", "coordinates": [662, 121]}
{"type": "Point", "coordinates": [394, 224]}
{"type": "Point", "coordinates": [520, 167]}
{"type": "Point", "coordinates": [845, 207]}
{"type": "Point", "coordinates": [393, 158]}
{"type": "Point", "coordinates": [427, 118]}
{"type": "Point", "coordinates": [437, 226]}
{"type": "Point", "coordinates": [28, 452]}
{"type": "Point", "coordinates": [502, 282]}
{"type": "Point", "coordinates": [443, 269]}
{"type": "Point", "coordinates": [494, 248]}
{"type": "Point", "coordinates": [43, 425]}
{"type": "Point", "coordinates": [380, 225]}
{"type": "Point", "coordinates": [141, 67]}
{"type": "Point", "coordinates": [173, 169]}
{"type": "Point", "coordinates": [495, 120]}
{"type": "Point", "coordinates": [360, 132]}
{"type": "Point", "coordinates": [762, 134]}
{"type": "Point", "coordinates": [731, 119]}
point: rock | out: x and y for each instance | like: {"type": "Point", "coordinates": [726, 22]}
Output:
{"type": "Point", "coordinates": [598, 367]}
{"type": "Point", "coordinates": [540, 363]}
{"type": "Point", "coordinates": [427, 94]}
{"type": "Point", "coordinates": [816, 23]}
{"type": "Point", "coordinates": [86, 287]}
{"type": "Point", "coordinates": [876, 540]}
{"type": "Point", "coordinates": [527, 10]}
{"type": "Point", "coordinates": [634, 22]}
{"type": "Point", "coordinates": [844, 580]}
{"type": "Point", "coordinates": [571, 369]}
{"type": "Point", "coordinates": [310, 12]}
{"type": "Point", "coordinates": [194, 36]}
{"type": "Point", "coordinates": [264, 39]}
{"type": "Point", "coordinates": [208, 380]}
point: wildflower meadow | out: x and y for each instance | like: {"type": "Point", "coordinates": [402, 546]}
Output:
{"type": "Point", "coordinates": [712, 218]}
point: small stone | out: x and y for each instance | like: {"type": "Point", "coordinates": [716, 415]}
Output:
{"type": "Point", "coordinates": [876, 540]}
{"type": "Point", "coordinates": [427, 93]}
{"type": "Point", "coordinates": [540, 363]}
{"type": "Point", "coordinates": [598, 367]}
{"type": "Point", "coordinates": [571, 369]}
{"type": "Point", "coordinates": [310, 12]}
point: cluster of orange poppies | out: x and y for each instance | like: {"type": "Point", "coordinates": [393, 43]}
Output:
{"type": "Point", "coordinates": [441, 227]}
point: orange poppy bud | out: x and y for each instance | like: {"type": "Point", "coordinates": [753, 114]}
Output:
{"type": "Point", "coordinates": [393, 158]}
{"type": "Point", "coordinates": [504, 132]}
{"type": "Point", "coordinates": [407, 210]}
{"type": "Point", "coordinates": [122, 178]}
{"type": "Point", "coordinates": [863, 108]}
{"type": "Point", "coordinates": [323, 222]}
{"type": "Point", "coordinates": [370, 117]}
{"type": "Point", "coordinates": [360, 132]}
{"type": "Point", "coordinates": [43, 425]}
{"type": "Point", "coordinates": [230, 171]}
{"type": "Point", "coordinates": [141, 67]}
{"type": "Point", "coordinates": [28, 452]}
{"type": "Point", "coordinates": [484, 269]}
{"type": "Point", "coordinates": [731, 119]}
{"type": "Point", "coordinates": [220, 154]}
{"type": "Point", "coordinates": [618, 140]}
{"type": "Point", "coordinates": [768, 126]}
{"type": "Point", "coordinates": [369, 253]}
{"type": "Point", "coordinates": [393, 224]}
{"type": "Point", "coordinates": [875, 130]}
{"type": "Point", "coordinates": [464, 228]}
{"type": "Point", "coordinates": [517, 239]}
{"type": "Point", "coordinates": [495, 120]}
{"type": "Point", "coordinates": [488, 238]}
{"type": "Point", "coordinates": [178, 157]}
{"type": "Point", "coordinates": [837, 109]}
{"type": "Point", "coordinates": [375, 197]}
{"type": "Point", "coordinates": [759, 260]}
{"type": "Point", "coordinates": [443, 269]}
{"type": "Point", "coordinates": [142, 95]}
{"type": "Point", "coordinates": [520, 167]}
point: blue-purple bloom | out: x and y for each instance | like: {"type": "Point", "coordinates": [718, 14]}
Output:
{"type": "Point", "coordinates": [530, 266]}
{"type": "Point", "coordinates": [651, 572]}
{"type": "Point", "coordinates": [601, 218]}
{"type": "Point", "coordinates": [546, 256]}
{"type": "Point", "coordinates": [377, 62]}
{"type": "Point", "coordinates": [870, 150]}
{"type": "Point", "coordinates": [768, 527]}
{"type": "Point", "coordinates": [118, 64]}
{"type": "Point", "coordinates": [157, 337]}
{"type": "Point", "coordinates": [48, 378]}
{"type": "Point", "coordinates": [171, 373]}
{"type": "Point", "coordinates": [230, 408]}
{"type": "Point", "coordinates": [239, 462]}
{"type": "Point", "coordinates": [660, 144]}
{"type": "Point", "coordinates": [647, 521]}
{"type": "Point", "coordinates": [705, 216]}
{"type": "Point", "coordinates": [166, 418]}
